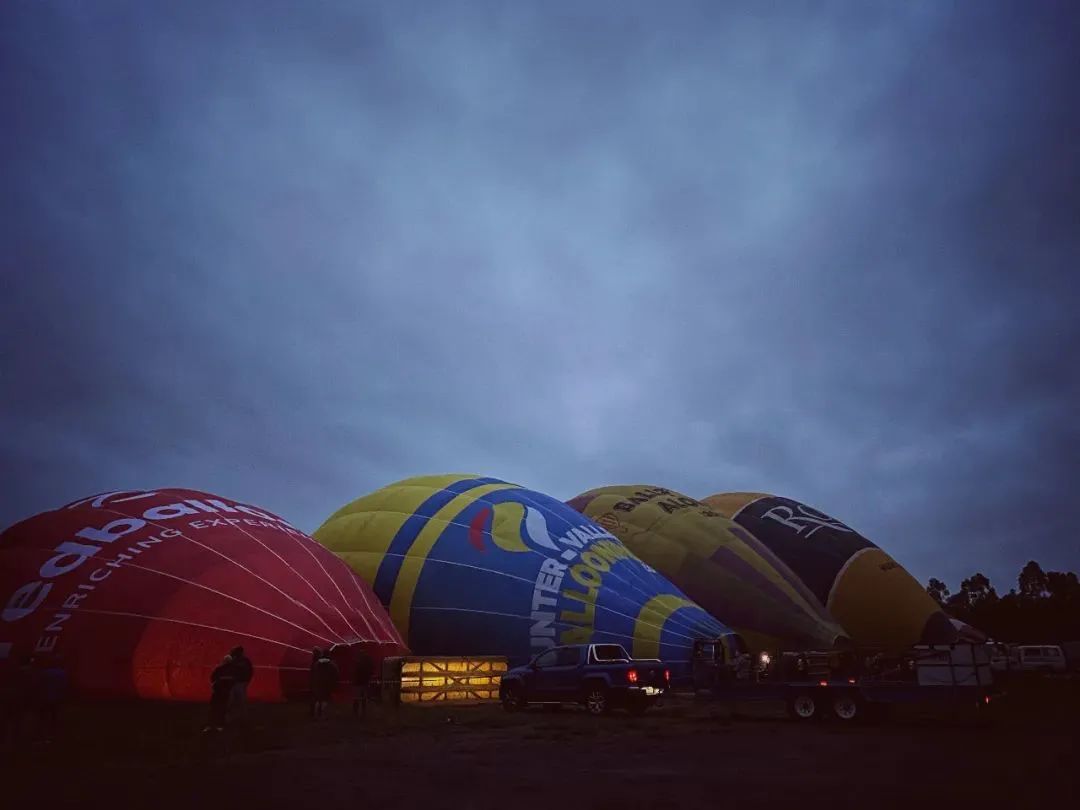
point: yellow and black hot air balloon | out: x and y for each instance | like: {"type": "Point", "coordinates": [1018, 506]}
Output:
{"type": "Point", "coordinates": [477, 566]}
{"type": "Point", "coordinates": [716, 563]}
{"type": "Point", "coordinates": [867, 591]}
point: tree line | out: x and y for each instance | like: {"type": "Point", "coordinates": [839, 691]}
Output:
{"type": "Point", "coordinates": [1044, 607]}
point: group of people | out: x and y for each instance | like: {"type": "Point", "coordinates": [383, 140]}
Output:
{"type": "Point", "coordinates": [325, 676]}
{"type": "Point", "coordinates": [35, 687]}
{"type": "Point", "coordinates": [229, 684]}
{"type": "Point", "coordinates": [230, 679]}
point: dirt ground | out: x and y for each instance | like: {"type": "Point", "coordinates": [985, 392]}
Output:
{"type": "Point", "coordinates": [679, 755]}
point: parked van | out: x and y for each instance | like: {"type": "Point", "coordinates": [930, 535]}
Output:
{"type": "Point", "coordinates": [1040, 658]}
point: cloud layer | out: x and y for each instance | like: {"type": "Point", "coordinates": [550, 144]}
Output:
{"type": "Point", "coordinates": [294, 252]}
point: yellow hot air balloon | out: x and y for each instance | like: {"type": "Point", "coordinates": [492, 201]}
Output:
{"type": "Point", "coordinates": [478, 566]}
{"type": "Point", "coordinates": [716, 563]}
{"type": "Point", "coordinates": [869, 593]}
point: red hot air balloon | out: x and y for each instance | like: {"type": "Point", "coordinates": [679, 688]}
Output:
{"type": "Point", "coordinates": [141, 594]}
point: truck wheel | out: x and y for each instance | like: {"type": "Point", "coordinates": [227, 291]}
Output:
{"type": "Point", "coordinates": [803, 707]}
{"type": "Point", "coordinates": [846, 708]}
{"type": "Point", "coordinates": [512, 699]}
{"type": "Point", "coordinates": [596, 699]}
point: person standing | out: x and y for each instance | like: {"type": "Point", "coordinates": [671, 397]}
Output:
{"type": "Point", "coordinates": [242, 672]}
{"type": "Point", "coordinates": [742, 666]}
{"type": "Point", "coordinates": [324, 676]}
{"type": "Point", "coordinates": [222, 680]}
{"type": "Point", "coordinates": [362, 672]}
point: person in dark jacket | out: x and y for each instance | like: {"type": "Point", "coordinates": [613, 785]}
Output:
{"type": "Point", "coordinates": [324, 677]}
{"type": "Point", "coordinates": [243, 671]}
{"type": "Point", "coordinates": [362, 672]}
{"type": "Point", "coordinates": [221, 681]}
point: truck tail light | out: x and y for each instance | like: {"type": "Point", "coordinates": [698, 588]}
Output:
{"type": "Point", "coordinates": [667, 675]}
{"type": "Point", "coordinates": [632, 676]}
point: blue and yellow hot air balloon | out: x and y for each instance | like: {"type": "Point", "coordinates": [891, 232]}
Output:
{"type": "Point", "coordinates": [869, 593]}
{"type": "Point", "coordinates": [477, 566]}
{"type": "Point", "coordinates": [716, 563]}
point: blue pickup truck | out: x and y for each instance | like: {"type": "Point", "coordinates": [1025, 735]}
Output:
{"type": "Point", "coordinates": [599, 677]}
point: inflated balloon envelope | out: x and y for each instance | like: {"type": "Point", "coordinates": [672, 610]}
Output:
{"type": "Point", "coordinates": [469, 565]}
{"type": "Point", "coordinates": [716, 563]}
{"type": "Point", "coordinates": [142, 593]}
{"type": "Point", "coordinates": [869, 593]}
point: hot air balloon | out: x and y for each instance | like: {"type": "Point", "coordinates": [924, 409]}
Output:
{"type": "Point", "coordinates": [869, 593]}
{"type": "Point", "coordinates": [141, 594]}
{"type": "Point", "coordinates": [478, 566]}
{"type": "Point", "coordinates": [716, 563]}
{"type": "Point", "coordinates": [968, 634]}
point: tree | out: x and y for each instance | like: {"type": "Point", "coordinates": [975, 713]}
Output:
{"type": "Point", "coordinates": [1033, 582]}
{"type": "Point", "coordinates": [1046, 607]}
{"type": "Point", "coordinates": [979, 590]}
{"type": "Point", "coordinates": [1062, 586]}
{"type": "Point", "coordinates": [938, 591]}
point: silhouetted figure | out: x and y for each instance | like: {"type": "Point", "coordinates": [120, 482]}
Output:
{"type": "Point", "coordinates": [222, 681]}
{"type": "Point", "coordinates": [52, 690]}
{"type": "Point", "coordinates": [324, 677]}
{"type": "Point", "coordinates": [362, 672]}
{"type": "Point", "coordinates": [242, 672]}
{"type": "Point", "coordinates": [742, 666]}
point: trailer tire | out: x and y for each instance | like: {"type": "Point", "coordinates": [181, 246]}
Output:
{"type": "Point", "coordinates": [803, 706]}
{"type": "Point", "coordinates": [847, 707]}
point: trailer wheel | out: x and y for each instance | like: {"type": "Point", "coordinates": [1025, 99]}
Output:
{"type": "Point", "coordinates": [803, 706]}
{"type": "Point", "coordinates": [846, 707]}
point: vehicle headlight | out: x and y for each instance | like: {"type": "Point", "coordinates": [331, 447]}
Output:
{"type": "Point", "coordinates": [765, 659]}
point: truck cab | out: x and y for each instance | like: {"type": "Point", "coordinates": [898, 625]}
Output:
{"type": "Point", "coordinates": [598, 676]}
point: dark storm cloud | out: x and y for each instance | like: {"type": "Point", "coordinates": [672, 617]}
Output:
{"type": "Point", "coordinates": [292, 252]}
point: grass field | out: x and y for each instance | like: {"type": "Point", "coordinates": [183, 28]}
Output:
{"type": "Point", "coordinates": [682, 754]}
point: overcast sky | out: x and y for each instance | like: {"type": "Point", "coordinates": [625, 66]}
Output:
{"type": "Point", "coordinates": [292, 252]}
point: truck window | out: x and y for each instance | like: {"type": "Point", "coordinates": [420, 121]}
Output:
{"type": "Point", "coordinates": [567, 657]}
{"type": "Point", "coordinates": [609, 652]}
{"type": "Point", "coordinates": [547, 659]}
